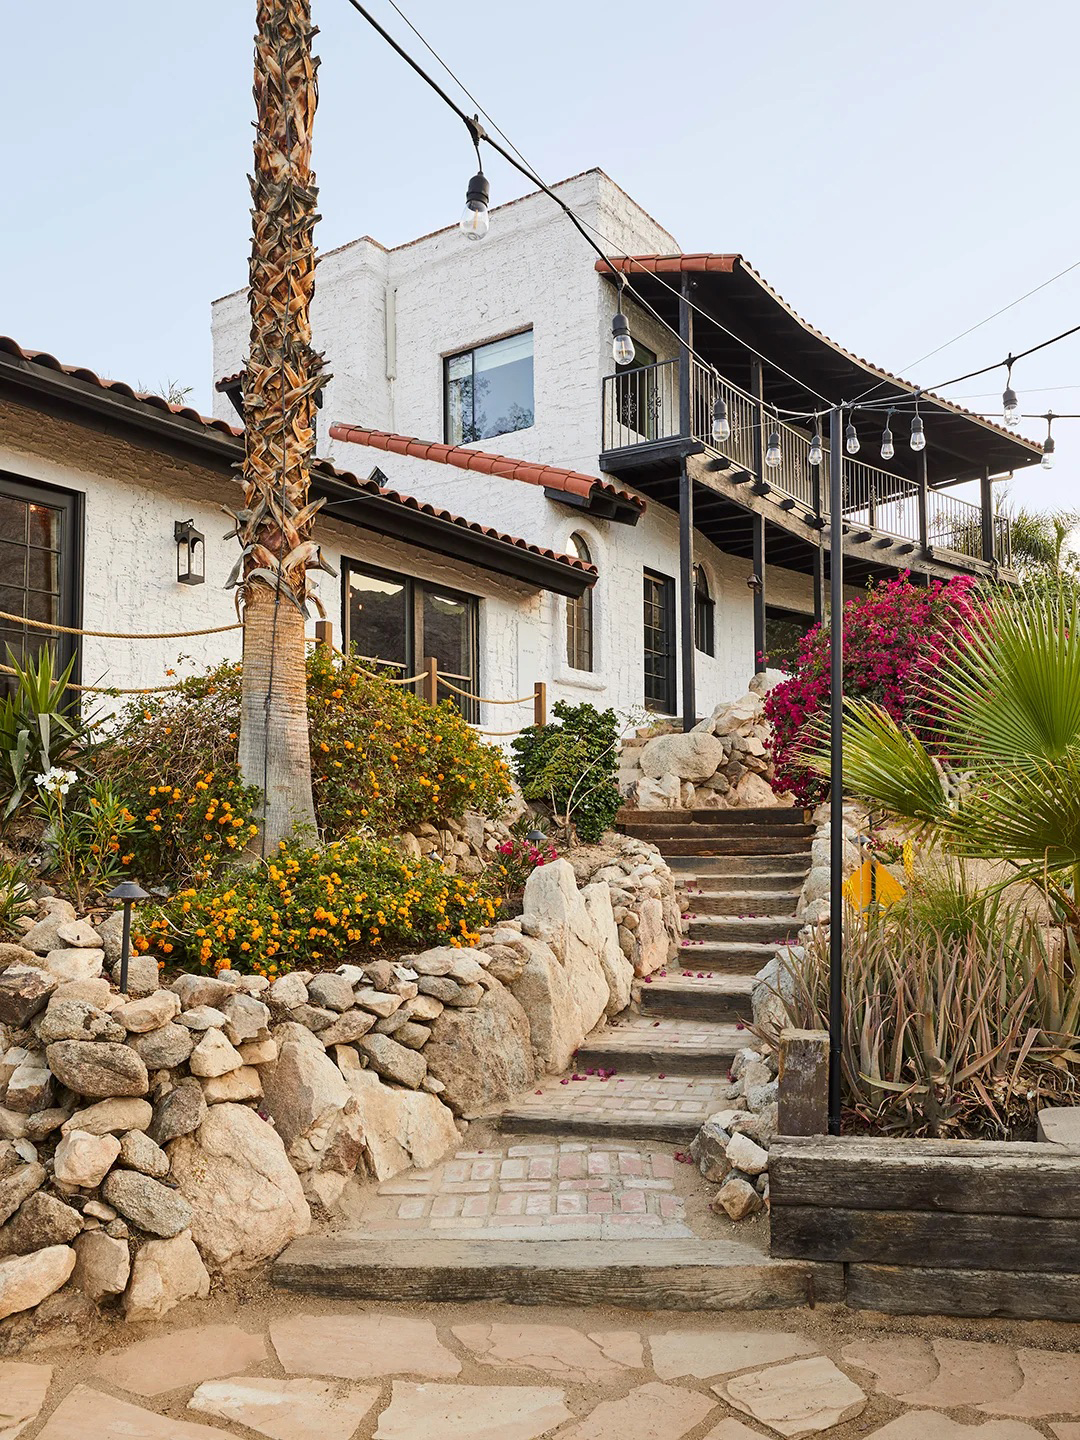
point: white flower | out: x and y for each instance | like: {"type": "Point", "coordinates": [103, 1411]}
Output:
{"type": "Point", "coordinates": [56, 782]}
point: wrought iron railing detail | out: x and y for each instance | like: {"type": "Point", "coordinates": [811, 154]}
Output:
{"type": "Point", "coordinates": [641, 406]}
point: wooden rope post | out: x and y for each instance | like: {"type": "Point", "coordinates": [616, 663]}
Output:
{"type": "Point", "coordinates": [540, 703]}
{"type": "Point", "coordinates": [804, 1082]}
{"type": "Point", "coordinates": [324, 634]}
{"type": "Point", "coordinates": [431, 680]}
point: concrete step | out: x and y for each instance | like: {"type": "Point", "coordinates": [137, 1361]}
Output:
{"type": "Point", "coordinates": [721, 998]}
{"type": "Point", "coordinates": [747, 902]}
{"type": "Point", "coordinates": [710, 815]}
{"type": "Point", "coordinates": [761, 929]}
{"type": "Point", "coordinates": [670, 1046]}
{"type": "Point", "coordinates": [732, 957]}
{"type": "Point", "coordinates": [734, 843]}
{"type": "Point", "coordinates": [739, 867]}
{"type": "Point", "coordinates": [728, 1274]}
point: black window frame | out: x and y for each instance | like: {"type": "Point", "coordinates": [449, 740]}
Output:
{"type": "Point", "coordinates": [661, 697]}
{"type": "Point", "coordinates": [580, 614]}
{"type": "Point", "coordinates": [415, 587]}
{"type": "Point", "coordinates": [471, 350]}
{"type": "Point", "coordinates": [72, 503]}
{"type": "Point", "coordinates": [795, 619]}
{"type": "Point", "coordinates": [704, 613]}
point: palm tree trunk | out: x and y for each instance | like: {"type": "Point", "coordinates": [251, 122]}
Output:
{"type": "Point", "coordinates": [282, 378]}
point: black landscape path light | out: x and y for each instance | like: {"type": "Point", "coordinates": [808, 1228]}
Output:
{"type": "Point", "coordinates": [128, 892]}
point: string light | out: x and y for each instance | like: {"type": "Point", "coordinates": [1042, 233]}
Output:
{"type": "Point", "coordinates": [721, 425]}
{"type": "Point", "coordinates": [1010, 405]}
{"type": "Point", "coordinates": [622, 346]}
{"type": "Point", "coordinates": [918, 434]}
{"type": "Point", "coordinates": [475, 218]}
{"type": "Point", "coordinates": [888, 449]}
{"type": "Point", "coordinates": [1048, 444]}
{"type": "Point", "coordinates": [851, 439]}
{"type": "Point", "coordinates": [814, 455]}
{"type": "Point", "coordinates": [773, 455]}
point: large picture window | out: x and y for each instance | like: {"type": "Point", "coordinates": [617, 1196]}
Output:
{"type": "Point", "coordinates": [489, 390]}
{"type": "Point", "coordinates": [38, 558]}
{"type": "Point", "coordinates": [659, 642]}
{"type": "Point", "coordinates": [399, 620]}
{"type": "Point", "coordinates": [579, 616]}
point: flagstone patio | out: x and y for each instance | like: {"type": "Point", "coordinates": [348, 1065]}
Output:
{"type": "Point", "coordinates": [287, 1370]}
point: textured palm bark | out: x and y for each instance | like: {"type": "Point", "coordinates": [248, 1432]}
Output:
{"type": "Point", "coordinates": [283, 376]}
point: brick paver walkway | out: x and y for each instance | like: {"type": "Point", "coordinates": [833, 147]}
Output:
{"type": "Point", "coordinates": [674, 1095]}
{"type": "Point", "coordinates": [560, 1190]}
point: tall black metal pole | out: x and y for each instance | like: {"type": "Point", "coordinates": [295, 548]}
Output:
{"type": "Point", "coordinates": [836, 759]}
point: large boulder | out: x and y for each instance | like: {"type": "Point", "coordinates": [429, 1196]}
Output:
{"type": "Point", "coordinates": [695, 756]}
{"type": "Point", "coordinates": [246, 1199]}
{"type": "Point", "coordinates": [618, 971]}
{"type": "Point", "coordinates": [650, 943]}
{"type": "Point", "coordinates": [103, 1265]}
{"type": "Point", "coordinates": [313, 1110]}
{"type": "Point", "coordinates": [24, 992]}
{"type": "Point", "coordinates": [165, 1272]}
{"type": "Point", "coordinates": [483, 1054]}
{"type": "Point", "coordinates": [555, 912]}
{"type": "Point", "coordinates": [147, 1203]}
{"type": "Point", "coordinates": [100, 1071]}
{"type": "Point", "coordinates": [26, 1280]}
{"type": "Point", "coordinates": [403, 1129]}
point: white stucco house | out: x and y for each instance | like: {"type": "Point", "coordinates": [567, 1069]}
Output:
{"type": "Point", "coordinates": [462, 369]}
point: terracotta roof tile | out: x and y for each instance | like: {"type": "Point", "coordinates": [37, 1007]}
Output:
{"type": "Point", "coordinates": [551, 477]}
{"type": "Point", "coordinates": [325, 467]}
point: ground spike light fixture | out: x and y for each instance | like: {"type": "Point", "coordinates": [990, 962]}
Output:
{"type": "Point", "coordinates": [1048, 443]}
{"type": "Point", "coordinates": [127, 892]}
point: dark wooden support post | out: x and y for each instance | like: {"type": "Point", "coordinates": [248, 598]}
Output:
{"type": "Point", "coordinates": [686, 513]}
{"type": "Point", "coordinates": [430, 682]}
{"type": "Point", "coordinates": [540, 703]}
{"type": "Point", "coordinates": [758, 581]}
{"type": "Point", "coordinates": [924, 504]}
{"type": "Point", "coordinates": [986, 496]}
{"type": "Point", "coordinates": [803, 1087]}
{"type": "Point", "coordinates": [686, 596]}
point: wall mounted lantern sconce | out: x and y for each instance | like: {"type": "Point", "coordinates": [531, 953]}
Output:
{"type": "Point", "coordinates": [190, 553]}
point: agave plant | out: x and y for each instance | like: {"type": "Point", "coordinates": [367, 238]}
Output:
{"type": "Point", "coordinates": [1003, 782]}
{"type": "Point", "coordinates": [39, 726]}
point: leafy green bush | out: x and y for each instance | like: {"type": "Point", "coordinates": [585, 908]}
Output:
{"type": "Point", "coordinates": [311, 907]}
{"type": "Point", "coordinates": [86, 837]}
{"type": "Point", "coordinates": [572, 766]}
{"type": "Point", "coordinates": [382, 760]}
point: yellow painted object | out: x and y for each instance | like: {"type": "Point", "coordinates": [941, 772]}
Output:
{"type": "Point", "coordinates": [909, 861]}
{"type": "Point", "coordinates": [872, 884]}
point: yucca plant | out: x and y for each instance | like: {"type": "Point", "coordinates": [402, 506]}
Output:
{"type": "Point", "coordinates": [1003, 781]}
{"type": "Point", "coordinates": [40, 726]}
{"type": "Point", "coordinates": [946, 1038]}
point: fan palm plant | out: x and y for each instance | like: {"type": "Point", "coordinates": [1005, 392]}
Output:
{"type": "Point", "coordinates": [1004, 781]}
{"type": "Point", "coordinates": [282, 378]}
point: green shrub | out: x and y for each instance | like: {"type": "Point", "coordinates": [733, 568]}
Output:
{"type": "Point", "coordinates": [572, 767]}
{"type": "Point", "coordinates": [313, 907]}
{"type": "Point", "coordinates": [40, 725]}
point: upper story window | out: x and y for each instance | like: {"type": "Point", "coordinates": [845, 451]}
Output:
{"type": "Point", "coordinates": [489, 390]}
{"type": "Point", "coordinates": [703, 613]}
{"type": "Point", "coordinates": [579, 616]}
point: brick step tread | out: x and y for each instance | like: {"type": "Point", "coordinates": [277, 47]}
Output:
{"type": "Point", "coordinates": [711, 815]}
{"type": "Point", "coordinates": [674, 1275]}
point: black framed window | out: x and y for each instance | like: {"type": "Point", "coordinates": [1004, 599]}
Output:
{"type": "Point", "coordinates": [399, 620]}
{"type": "Point", "coordinates": [579, 616]}
{"type": "Point", "coordinates": [489, 390]}
{"type": "Point", "coordinates": [39, 558]}
{"type": "Point", "coordinates": [659, 641]}
{"type": "Point", "coordinates": [704, 610]}
{"type": "Point", "coordinates": [784, 634]}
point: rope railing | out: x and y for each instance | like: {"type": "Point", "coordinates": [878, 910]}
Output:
{"type": "Point", "coordinates": [486, 699]}
{"type": "Point", "coordinates": [118, 634]}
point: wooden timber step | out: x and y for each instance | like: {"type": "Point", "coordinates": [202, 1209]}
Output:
{"type": "Point", "coordinates": [728, 1274]}
{"type": "Point", "coordinates": [732, 957]}
{"type": "Point", "coordinates": [746, 902]}
{"type": "Point", "coordinates": [789, 839]}
{"type": "Point", "coordinates": [710, 815]}
{"type": "Point", "coordinates": [671, 1046]}
{"type": "Point", "coordinates": [781, 929]}
{"type": "Point", "coordinates": [738, 867]}
{"type": "Point", "coordinates": [721, 997]}
{"type": "Point", "coordinates": [733, 843]}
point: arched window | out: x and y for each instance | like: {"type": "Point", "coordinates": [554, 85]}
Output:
{"type": "Point", "coordinates": [703, 613]}
{"type": "Point", "coordinates": [579, 616]}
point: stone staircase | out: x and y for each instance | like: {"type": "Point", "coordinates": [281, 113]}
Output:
{"type": "Point", "coordinates": [743, 870]}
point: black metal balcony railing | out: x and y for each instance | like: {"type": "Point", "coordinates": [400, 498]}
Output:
{"type": "Point", "coordinates": [641, 407]}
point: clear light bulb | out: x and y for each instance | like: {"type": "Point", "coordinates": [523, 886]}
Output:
{"type": "Point", "coordinates": [918, 434]}
{"type": "Point", "coordinates": [1048, 453]}
{"type": "Point", "coordinates": [814, 455]}
{"type": "Point", "coordinates": [721, 425]}
{"type": "Point", "coordinates": [851, 440]}
{"type": "Point", "coordinates": [1011, 407]}
{"type": "Point", "coordinates": [622, 347]}
{"type": "Point", "coordinates": [475, 218]}
{"type": "Point", "coordinates": [888, 450]}
{"type": "Point", "coordinates": [773, 458]}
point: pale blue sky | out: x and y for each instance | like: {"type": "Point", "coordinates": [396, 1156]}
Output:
{"type": "Point", "coordinates": [896, 172]}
